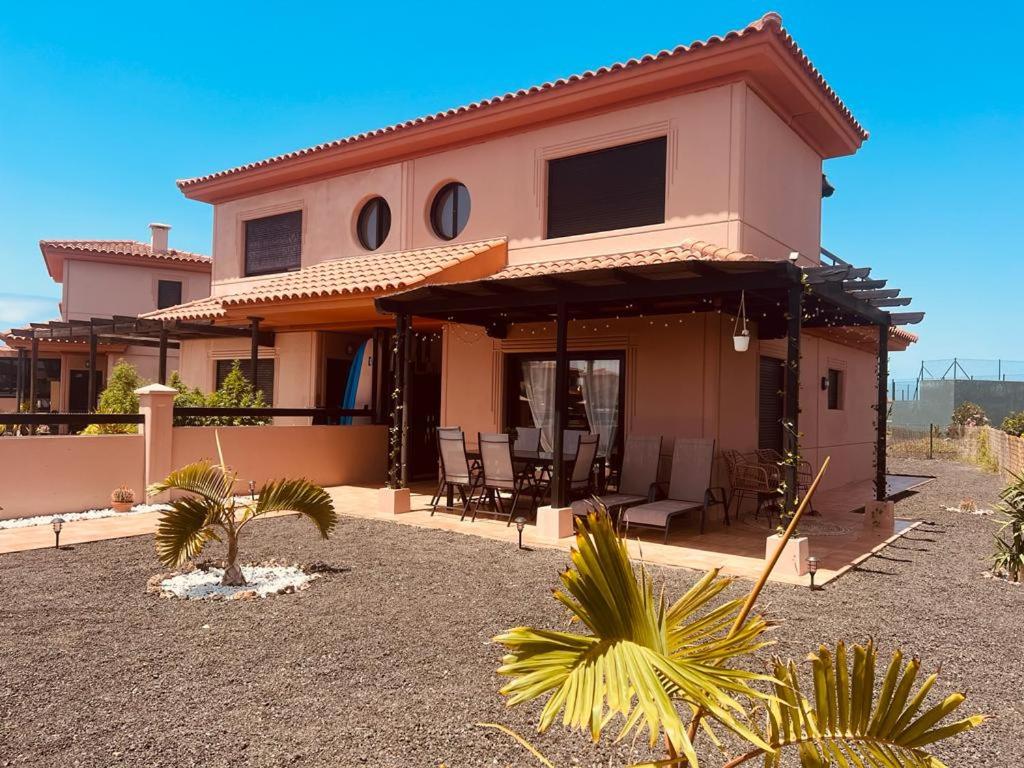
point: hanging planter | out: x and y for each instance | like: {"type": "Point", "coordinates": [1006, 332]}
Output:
{"type": "Point", "coordinates": [740, 333]}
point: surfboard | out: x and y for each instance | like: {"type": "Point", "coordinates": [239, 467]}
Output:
{"type": "Point", "coordinates": [359, 387]}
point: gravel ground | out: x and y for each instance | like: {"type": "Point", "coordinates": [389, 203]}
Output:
{"type": "Point", "coordinates": [389, 664]}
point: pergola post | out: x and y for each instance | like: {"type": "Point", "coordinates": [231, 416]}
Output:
{"type": "Point", "coordinates": [254, 347]}
{"type": "Point", "coordinates": [880, 438]}
{"type": "Point", "coordinates": [32, 367]}
{"type": "Point", "coordinates": [558, 484]}
{"type": "Point", "coordinates": [162, 375]}
{"type": "Point", "coordinates": [406, 362]}
{"type": "Point", "coordinates": [791, 399]}
{"type": "Point", "coordinates": [92, 372]}
{"type": "Point", "coordinates": [20, 385]}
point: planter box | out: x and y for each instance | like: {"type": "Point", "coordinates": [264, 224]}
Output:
{"type": "Point", "coordinates": [554, 523]}
{"type": "Point", "coordinates": [794, 557]}
{"type": "Point", "coordinates": [393, 501]}
{"type": "Point", "coordinates": [880, 519]}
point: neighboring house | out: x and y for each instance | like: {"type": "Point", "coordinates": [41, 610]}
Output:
{"type": "Point", "coordinates": [100, 279]}
{"type": "Point", "coordinates": [686, 163]}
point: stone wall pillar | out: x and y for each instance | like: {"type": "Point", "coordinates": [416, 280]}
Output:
{"type": "Point", "coordinates": [156, 404]}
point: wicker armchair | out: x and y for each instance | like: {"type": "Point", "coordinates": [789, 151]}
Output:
{"type": "Point", "coordinates": [749, 478]}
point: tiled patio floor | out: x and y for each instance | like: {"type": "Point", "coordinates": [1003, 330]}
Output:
{"type": "Point", "coordinates": [836, 533]}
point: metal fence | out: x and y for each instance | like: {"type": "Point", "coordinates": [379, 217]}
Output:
{"type": "Point", "coordinates": [956, 369]}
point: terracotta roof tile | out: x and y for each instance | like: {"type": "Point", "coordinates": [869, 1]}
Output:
{"type": "Point", "coordinates": [122, 248]}
{"type": "Point", "coordinates": [367, 274]}
{"type": "Point", "coordinates": [687, 251]}
{"type": "Point", "coordinates": [769, 23]}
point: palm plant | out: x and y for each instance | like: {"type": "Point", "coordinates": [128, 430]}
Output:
{"type": "Point", "coordinates": [647, 663]}
{"type": "Point", "coordinates": [1009, 556]}
{"type": "Point", "coordinates": [211, 512]}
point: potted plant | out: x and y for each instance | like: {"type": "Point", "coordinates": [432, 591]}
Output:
{"type": "Point", "coordinates": [122, 499]}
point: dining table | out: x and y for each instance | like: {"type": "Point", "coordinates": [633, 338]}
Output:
{"type": "Point", "coordinates": [542, 460]}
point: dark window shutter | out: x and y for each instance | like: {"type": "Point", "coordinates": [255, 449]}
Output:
{"type": "Point", "coordinates": [168, 294]}
{"type": "Point", "coordinates": [771, 382]}
{"type": "Point", "coordinates": [264, 375]}
{"type": "Point", "coordinates": [273, 244]}
{"type": "Point", "coordinates": [607, 189]}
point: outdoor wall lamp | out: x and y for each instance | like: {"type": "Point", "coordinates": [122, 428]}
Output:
{"type": "Point", "coordinates": [520, 524]}
{"type": "Point", "coordinates": [740, 335]}
{"type": "Point", "coordinates": [812, 568]}
{"type": "Point", "coordinates": [57, 523]}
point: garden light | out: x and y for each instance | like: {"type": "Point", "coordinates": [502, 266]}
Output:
{"type": "Point", "coordinates": [252, 490]}
{"type": "Point", "coordinates": [58, 522]}
{"type": "Point", "coordinates": [812, 568]}
{"type": "Point", "coordinates": [520, 524]}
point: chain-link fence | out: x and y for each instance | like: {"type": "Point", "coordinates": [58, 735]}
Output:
{"type": "Point", "coordinates": [931, 442]}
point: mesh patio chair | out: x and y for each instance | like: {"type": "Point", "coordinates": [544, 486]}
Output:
{"type": "Point", "coordinates": [581, 480]}
{"type": "Point", "coordinates": [527, 439]}
{"type": "Point", "coordinates": [749, 478]}
{"type": "Point", "coordinates": [499, 475]}
{"type": "Point", "coordinates": [637, 477]}
{"type": "Point", "coordinates": [457, 474]}
{"type": "Point", "coordinates": [770, 458]}
{"type": "Point", "coordinates": [689, 489]}
{"type": "Point", "coordinates": [571, 439]}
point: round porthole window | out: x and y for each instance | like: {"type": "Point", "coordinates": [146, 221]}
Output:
{"type": "Point", "coordinates": [449, 212]}
{"type": "Point", "coordinates": [374, 223]}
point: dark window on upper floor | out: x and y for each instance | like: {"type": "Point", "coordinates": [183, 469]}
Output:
{"type": "Point", "coordinates": [449, 213]}
{"type": "Point", "coordinates": [168, 293]}
{"type": "Point", "coordinates": [273, 243]}
{"type": "Point", "coordinates": [608, 189]}
{"type": "Point", "coordinates": [264, 375]}
{"type": "Point", "coordinates": [835, 389]}
{"type": "Point", "coordinates": [374, 223]}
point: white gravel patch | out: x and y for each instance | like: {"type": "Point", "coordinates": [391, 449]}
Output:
{"type": "Point", "coordinates": [263, 581]}
{"type": "Point", "coordinates": [70, 517]}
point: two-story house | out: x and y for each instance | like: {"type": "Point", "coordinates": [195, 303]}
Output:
{"type": "Point", "coordinates": [100, 279]}
{"type": "Point", "coordinates": [683, 164]}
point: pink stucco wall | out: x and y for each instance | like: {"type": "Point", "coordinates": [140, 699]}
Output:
{"type": "Point", "coordinates": [683, 379]}
{"type": "Point", "coordinates": [48, 475]}
{"type": "Point", "coordinates": [328, 455]}
{"type": "Point", "coordinates": [728, 157]}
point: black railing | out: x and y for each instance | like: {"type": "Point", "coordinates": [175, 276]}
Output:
{"type": "Point", "coordinates": [71, 419]}
{"type": "Point", "coordinates": [316, 413]}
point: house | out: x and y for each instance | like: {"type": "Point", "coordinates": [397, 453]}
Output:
{"type": "Point", "coordinates": [100, 280]}
{"type": "Point", "coordinates": [604, 236]}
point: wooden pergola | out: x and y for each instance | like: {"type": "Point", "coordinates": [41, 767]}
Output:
{"type": "Point", "coordinates": [781, 297]}
{"type": "Point", "coordinates": [137, 331]}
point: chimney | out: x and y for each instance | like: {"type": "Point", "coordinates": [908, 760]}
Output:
{"type": "Point", "coordinates": [158, 238]}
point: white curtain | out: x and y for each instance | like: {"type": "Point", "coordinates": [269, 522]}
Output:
{"type": "Point", "coordinates": [539, 383]}
{"type": "Point", "coordinates": [600, 387]}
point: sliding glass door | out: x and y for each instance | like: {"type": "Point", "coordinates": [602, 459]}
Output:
{"type": "Point", "coordinates": [596, 390]}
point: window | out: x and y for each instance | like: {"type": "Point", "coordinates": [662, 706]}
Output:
{"type": "Point", "coordinates": [374, 223]}
{"type": "Point", "coordinates": [264, 375]}
{"type": "Point", "coordinates": [596, 392]}
{"type": "Point", "coordinates": [449, 212]}
{"type": "Point", "coordinates": [835, 389]}
{"type": "Point", "coordinates": [273, 244]}
{"type": "Point", "coordinates": [168, 293]}
{"type": "Point", "coordinates": [8, 377]}
{"type": "Point", "coordinates": [607, 189]}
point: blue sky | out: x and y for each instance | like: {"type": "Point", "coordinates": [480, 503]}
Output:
{"type": "Point", "coordinates": [103, 106]}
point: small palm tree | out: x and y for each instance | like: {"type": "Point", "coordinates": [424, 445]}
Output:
{"type": "Point", "coordinates": [211, 512]}
{"type": "Point", "coordinates": [647, 662]}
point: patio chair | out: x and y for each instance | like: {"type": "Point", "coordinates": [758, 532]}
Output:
{"type": "Point", "coordinates": [527, 439]}
{"type": "Point", "coordinates": [456, 471]}
{"type": "Point", "coordinates": [637, 477]}
{"type": "Point", "coordinates": [571, 439]}
{"type": "Point", "coordinates": [689, 489]}
{"type": "Point", "coordinates": [750, 478]}
{"type": "Point", "coordinates": [770, 458]}
{"type": "Point", "coordinates": [581, 480]}
{"type": "Point", "coordinates": [499, 475]}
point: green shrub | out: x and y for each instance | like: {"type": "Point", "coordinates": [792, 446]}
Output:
{"type": "Point", "coordinates": [1009, 556]}
{"type": "Point", "coordinates": [1014, 424]}
{"type": "Point", "coordinates": [236, 392]}
{"type": "Point", "coordinates": [186, 398]}
{"type": "Point", "coordinates": [118, 397]}
{"type": "Point", "coordinates": [969, 414]}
